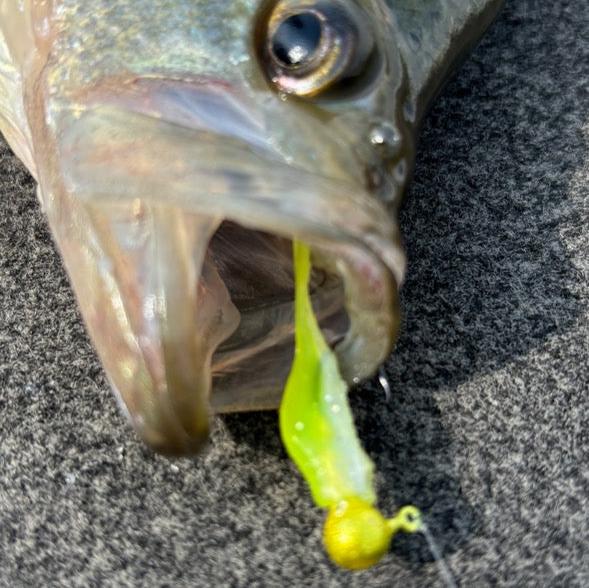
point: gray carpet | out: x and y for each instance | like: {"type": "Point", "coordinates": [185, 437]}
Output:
{"type": "Point", "coordinates": [488, 427]}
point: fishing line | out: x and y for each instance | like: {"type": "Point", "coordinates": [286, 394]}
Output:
{"type": "Point", "coordinates": [443, 568]}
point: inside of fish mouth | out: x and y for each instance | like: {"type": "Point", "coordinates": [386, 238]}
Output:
{"type": "Point", "coordinates": [250, 367]}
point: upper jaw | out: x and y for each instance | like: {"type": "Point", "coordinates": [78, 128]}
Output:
{"type": "Point", "coordinates": [147, 194]}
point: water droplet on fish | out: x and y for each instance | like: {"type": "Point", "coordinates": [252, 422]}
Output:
{"type": "Point", "coordinates": [335, 408]}
{"type": "Point", "coordinates": [299, 426]}
{"type": "Point", "coordinates": [385, 135]}
{"type": "Point", "coordinates": [175, 469]}
{"type": "Point", "coordinates": [376, 137]}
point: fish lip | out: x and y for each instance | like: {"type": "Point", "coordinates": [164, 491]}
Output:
{"type": "Point", "coordinates": [342, 222]}
{"type": "Point", "coordinates": [374, 225]}
{"type": "Point", "coordinates": [287, 201]}
{"type": "Point", "coordinates": [151, 97]}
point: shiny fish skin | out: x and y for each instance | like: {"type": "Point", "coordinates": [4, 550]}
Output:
{"type": "Point", "coordinates": [174, 175]}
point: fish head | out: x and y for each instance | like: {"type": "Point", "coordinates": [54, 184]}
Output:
{"type": "Point", "coordinates": [181, 148]}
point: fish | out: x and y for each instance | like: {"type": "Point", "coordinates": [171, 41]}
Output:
{"type": "Point", "coordinates": [180, 147]}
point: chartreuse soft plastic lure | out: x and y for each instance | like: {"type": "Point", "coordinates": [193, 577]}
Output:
{"type": "Point", "coordinates": [318, 432]}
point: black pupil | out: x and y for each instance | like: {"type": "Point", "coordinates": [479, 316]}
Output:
{"type": "Point", "coordinates": [296, 39]}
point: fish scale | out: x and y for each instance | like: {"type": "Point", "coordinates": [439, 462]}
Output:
{"type": "Point", "coordinates": [105, 38]}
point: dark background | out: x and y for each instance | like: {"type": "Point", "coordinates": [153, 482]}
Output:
{"type": "Point", "coordinates": [487, 429]}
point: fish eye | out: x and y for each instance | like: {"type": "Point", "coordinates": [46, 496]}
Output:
{"type": "Point", "coordinates": [297, 39]}
{"type": "Point", "coordinates": [307, 48]}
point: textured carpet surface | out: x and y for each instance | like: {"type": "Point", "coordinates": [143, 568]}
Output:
{"type": "Point", "coordinates": [488, 426]}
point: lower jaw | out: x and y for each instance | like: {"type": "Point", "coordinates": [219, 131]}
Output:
{"type": "Point", "coordinates": [151, 215]}
{"type": "Point", "coordinates": [137, 228]}
{"type": "Point", "coordinates": [231, 348]}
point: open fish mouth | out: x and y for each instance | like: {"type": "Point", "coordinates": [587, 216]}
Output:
{"type": "Point", "coordinates": [182, 262]}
